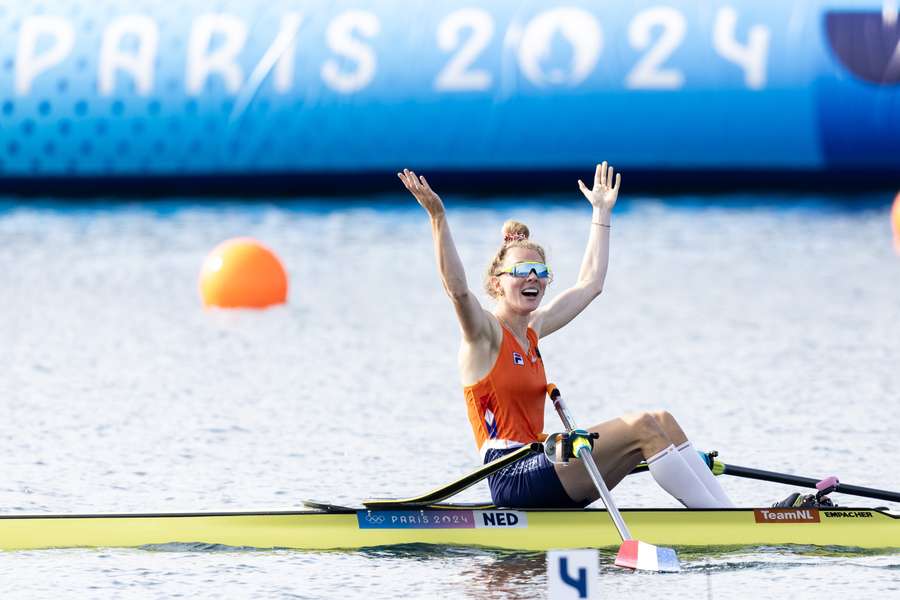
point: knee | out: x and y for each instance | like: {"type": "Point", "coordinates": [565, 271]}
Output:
{"type": "Point", "coordinates": [646, 425]}
{"type": "Point", "coordinates": [670, 426]}
{"type": "Point", "coordinates": [664, 418]}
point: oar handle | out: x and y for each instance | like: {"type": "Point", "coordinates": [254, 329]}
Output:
{"type": "Point", "coordinates": [560, 406]}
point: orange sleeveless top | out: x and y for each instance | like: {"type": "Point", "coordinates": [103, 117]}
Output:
{"type": "Point", "coordinates": [506, 408]}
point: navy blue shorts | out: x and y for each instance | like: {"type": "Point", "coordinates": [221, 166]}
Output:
{"type": "Point", "coordinates": [529, 483]}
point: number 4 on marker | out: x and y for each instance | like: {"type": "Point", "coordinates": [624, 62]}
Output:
{"type": "Point", "coordinates": [579, 583]}
{"type": "Point", "coordinates": [571, 573]}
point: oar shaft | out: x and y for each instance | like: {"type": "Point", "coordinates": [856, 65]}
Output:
{"type": "Point", "coordinates": [843, 488]}
{"type": "Point", "coordinates": [442, 493]}
{"type": "Point", "coordinates": [587, 459]}
{"type": "Point", "coordinates": [562, 410]}
{"type": "Point", "coordinates": [809, 482]}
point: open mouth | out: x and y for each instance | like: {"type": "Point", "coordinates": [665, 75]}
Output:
{"type": "Point", "coordinates": [531, 292]}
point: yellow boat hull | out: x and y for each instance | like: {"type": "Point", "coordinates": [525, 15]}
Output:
{"type": "Point", "coordinates": [533, 530]}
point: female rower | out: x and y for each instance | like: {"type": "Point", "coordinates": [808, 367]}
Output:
{"type": "Point", "coordinates": [503, 377]}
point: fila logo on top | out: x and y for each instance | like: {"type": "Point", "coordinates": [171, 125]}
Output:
{"type": "Point", "coordinates": [517, 358]}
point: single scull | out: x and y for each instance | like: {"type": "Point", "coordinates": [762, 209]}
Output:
{"type": "Point", "coordinates": [427, 519]}
{"type": "Point", "coordinates": [459, 525]}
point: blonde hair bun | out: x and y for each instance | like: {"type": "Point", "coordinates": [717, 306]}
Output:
{"type": "Point", "coordinates": [513, 231]}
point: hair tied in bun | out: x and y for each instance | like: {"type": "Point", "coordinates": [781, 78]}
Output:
{"type": "Point", "coordinates": [515, 237]}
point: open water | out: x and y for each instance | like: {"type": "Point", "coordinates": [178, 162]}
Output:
{"type": "Point", "coordinates": [769, 325]}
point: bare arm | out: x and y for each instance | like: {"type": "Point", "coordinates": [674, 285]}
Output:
{"type": "Point", "coordinates": [472, 317]}
{"type": "Point", "coordinates": [572, 301]}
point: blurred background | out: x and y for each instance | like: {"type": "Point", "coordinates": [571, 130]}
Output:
{"type": "Point", "coordinates": [227, 96]}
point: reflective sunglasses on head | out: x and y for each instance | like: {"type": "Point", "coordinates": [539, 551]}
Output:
{"type": "Point", "coordinates": [523, 269]}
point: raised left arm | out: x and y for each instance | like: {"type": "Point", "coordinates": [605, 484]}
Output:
{"type": "Point", "coordinates": [572, 301]}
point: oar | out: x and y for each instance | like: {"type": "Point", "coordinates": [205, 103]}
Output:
{"type": "Point", "coordinates": [843, 488]}
{"type": "Point", "coordinates": [720, 468]}
{"type": "Point", "coordinates": [633, 554]}
{"type": "Point", "coordinates": [464, 482]}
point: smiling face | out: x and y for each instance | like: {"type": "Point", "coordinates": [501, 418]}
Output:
{"type": "Point", "coordinates": [520, 294]}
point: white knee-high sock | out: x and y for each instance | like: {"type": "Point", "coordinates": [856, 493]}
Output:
{"type": "Point", "coordinates": [701, 470]}
{"type": "Point", "coordinates": [676, 477]}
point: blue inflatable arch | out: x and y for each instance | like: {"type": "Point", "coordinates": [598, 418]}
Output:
{"type": "Point", "coordinates": [194, 89]}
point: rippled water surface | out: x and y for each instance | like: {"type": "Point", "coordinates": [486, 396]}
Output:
{"type": "Point", "coordinates": [769, 326]}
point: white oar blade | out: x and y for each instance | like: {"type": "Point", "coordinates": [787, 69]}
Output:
{"type": "Point", "coordinates": [634, 554]}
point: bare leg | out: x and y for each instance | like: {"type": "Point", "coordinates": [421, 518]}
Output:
{"type": "Point", "coordinates": [671, 427]}
{"type": "Point", "coordinates": [625, 441]}
{"type": "Point", "coordinates": [625, 467]}
{"type": "Point", "coordinates": [622, 444]}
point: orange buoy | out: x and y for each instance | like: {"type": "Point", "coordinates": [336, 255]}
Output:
{"type": "Point", "coordinates": [242, 273]}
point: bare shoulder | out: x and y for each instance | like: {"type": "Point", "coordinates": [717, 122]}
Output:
{"type": "Point", "coordinates": [537, 321]}
{"type": "Point", "coordinates": [491, 333]}
{"type": "Point", "coordinates": [477, 356]}
{"type": "Point", "coordinates": [496, 331]}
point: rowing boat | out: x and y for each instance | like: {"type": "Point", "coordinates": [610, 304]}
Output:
{"type": "Point", "coordinates": [430, 519]}
{"type": "Point", "coordinates": [333, 527]}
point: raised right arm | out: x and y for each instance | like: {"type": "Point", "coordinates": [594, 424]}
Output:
{"type": "Point", "coordinates": [472, 317]}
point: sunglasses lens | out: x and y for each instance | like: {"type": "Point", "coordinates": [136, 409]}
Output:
{"type": "Point", "coordinates": [524, 269]}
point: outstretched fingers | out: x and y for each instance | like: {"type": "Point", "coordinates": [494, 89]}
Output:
{"type": "Point", "coordinates": [606, 186]}
{"type": "Point", "coordinates": [422, 192]}
{"type": "Point", "coordinates": [600, 175]}
{"type": "Point", "coordinates": [409, 180]}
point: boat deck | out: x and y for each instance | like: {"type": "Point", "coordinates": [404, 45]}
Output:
{"type": "Point", "coordinates": [534, 530]}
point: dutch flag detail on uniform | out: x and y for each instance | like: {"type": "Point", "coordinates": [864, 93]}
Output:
{"type": "Point", "coordinates": [517, 358]}
{"type": "Point", "coordinates": [491, 423]}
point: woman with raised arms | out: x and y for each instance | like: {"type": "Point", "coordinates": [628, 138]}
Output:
{"type": "Point", "coordinates": [503, 376]}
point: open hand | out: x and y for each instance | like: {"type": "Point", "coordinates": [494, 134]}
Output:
{"type": "Point", "coordinates": [604, 193]}
{"type": "Point", "coordinates": [423, 193]}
